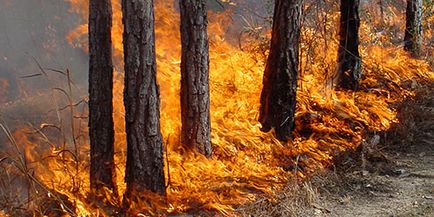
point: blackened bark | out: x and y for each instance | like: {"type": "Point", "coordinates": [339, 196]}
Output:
{"type": "Point", "coordinates": [413, 30]}
{"type": "Point", "coordinates": [101, 132]}
{"type": "Point", "coordinates": [278, 98]}
{"type": "Point", "coordinates": [145, 165]}
{"type": "Point", "coordinates": [195, 97]}
{"type": "Point", "coordinates": [381, 4]}
{"type": "Point", "coordinates": [349, 61]}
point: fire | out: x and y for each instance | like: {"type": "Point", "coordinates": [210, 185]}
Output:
{"type": "Point", "coordinates": [246, 163]}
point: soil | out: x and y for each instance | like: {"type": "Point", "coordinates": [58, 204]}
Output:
{"type": "Point", "coordinates": [407, 192]}
{"type": "Point", "coordinates": [396, 176]}
{"type": "Point", "coordinates": [390, 174]}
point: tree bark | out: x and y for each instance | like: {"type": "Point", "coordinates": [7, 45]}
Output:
{"type": "Point", "coordinates": [101, 132]}
{"type": "Point", "coordinates": [195, 97]}
{"type": "Point", "coordinates": [413, 30]}
{"type": "Point", "coordinates": [278, 98]}
{"type": "Point", "coordinates": [381, 4]}
{"type": "Point", "coordinates": [349, 61]}
{"type": "Point", "coordinates": [145, 164]}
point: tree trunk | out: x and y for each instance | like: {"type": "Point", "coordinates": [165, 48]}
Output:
{"type": "Point", "coordinates": [349, 61]}
{"type": "Point", "coordinates": [101, 132]}
{"type": "Point", "coordinates": [381, 4]}
{"type": "Point", "coordinates": [145, 163]}
{"type": "Point", "coordinates": [278, 98]}
{"type": "Point", "coordinates": [413, 30]}
{"type": "Point", "coordinates": [195, 98]}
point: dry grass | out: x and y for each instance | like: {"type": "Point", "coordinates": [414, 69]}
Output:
{"type": "Point", "coordinates": [312, 196]}
{"type": "Point", "coordinates": [296, 199]}
{"type": "Point", "coordinates": [416, 120]}
{"type": "Point", "coordinates": [21, 193]}
{"type": "Point", "coordinates": [352, 169]}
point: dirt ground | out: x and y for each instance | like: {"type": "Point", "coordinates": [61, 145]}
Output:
{"type": "Point", "coordinates": [396, 173]}
{"type": "Point", "coordinates": [407, 192]}
{"type": "Point", "coordinates": [399, 184]}
{"type": "Point", "coordinates": [391, 174]}
{"type": "Point", "coordinates": [399, 175]}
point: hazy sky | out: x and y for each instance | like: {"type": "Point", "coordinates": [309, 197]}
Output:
{"type": "Point", "coordinates": [37, 28]}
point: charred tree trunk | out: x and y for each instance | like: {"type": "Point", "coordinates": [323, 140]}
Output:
{"type": "Point", "coordinates": [101, 132]}
{"type": "Point", "coordinates": [195, 98]}
{"type": "Point", "coordinates": [413, 30]}
{"type": "Point", "coordinates": [381, 4]}
{"type": "Point", "coordinates": [349, 61]}
{"type": "Point", "coordinates": [145, 165]}
{"type": "Point", "coordinates": [278, 98]}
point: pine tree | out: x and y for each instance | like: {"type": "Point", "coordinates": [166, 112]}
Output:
{"type": "Point", "coordinates": [145, 163]}
{"type": "Point", "coordinates": [101, 132]}
{"type": "Point", "coordinates": [195, 97]}
{"type": "Point", "coordinates": [349, 61]}
{"type": "Point", "coordinates": [413, 30]}
{"type": "Point", "coordinates": [278, 98]}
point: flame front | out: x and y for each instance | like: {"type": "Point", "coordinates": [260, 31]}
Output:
{"type": "Point", "coordinates": [246, 163]}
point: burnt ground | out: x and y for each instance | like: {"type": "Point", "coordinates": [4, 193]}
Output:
{"type": "Point", "coordinates": [391, 174]}
{"type": "Point", "coordinates": [406, 188]}
{"type": "Point", "coordinates": [396, 173]}
{"type": "Point", "coordinates": [401, 186]}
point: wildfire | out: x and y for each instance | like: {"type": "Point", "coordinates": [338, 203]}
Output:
{"type": "Point", "coordinates": [246, 162]}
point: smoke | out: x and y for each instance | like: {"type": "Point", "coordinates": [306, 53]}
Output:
{"type": "Point", "coordinates": [36, 30]}
{"type": "Point", "coordinates": [32, 32]}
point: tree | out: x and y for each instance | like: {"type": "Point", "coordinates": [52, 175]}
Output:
{"type": "Point", "coordinates": [195, 97]}
{"type": "Point", "coordinates": [349, 61]}
{"type": "Point", "coordinates": [278, 97]}
{"type": "Point", "coordinates": [381, 4]}
{"type": "Point", "coordinates": [145, 165]}
{"type": "Point", "coordinates": [413, 30]}
{"type": "Point", "coordinates": [101, 132]}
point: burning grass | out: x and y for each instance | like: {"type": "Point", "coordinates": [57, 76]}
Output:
{"type": "Point", "coordinates": [247, 164]}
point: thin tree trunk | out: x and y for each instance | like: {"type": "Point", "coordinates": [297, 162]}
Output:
{"type": "Point", "coordinates": [413, 30]}
{"type": "Point", "coordinates": [349, 61]}
{"type": "Point", "coordinates": [145, 165]}
{"type": "Point", "coordinates": [278, 98]}
{"type": "Point", "coordinates": [381, 4]}
{"type": "Point", "coordinates": [101, 132]}
{"type": "Point", "coordinates": [195, 98]}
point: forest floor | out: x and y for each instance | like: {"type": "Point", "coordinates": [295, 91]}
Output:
{"type": "Point", "coordinates": [396, 177]}
{"type": "Point", "coordinates": [407, 191]}
{"type": "Point", "coordinates": [392, 174]}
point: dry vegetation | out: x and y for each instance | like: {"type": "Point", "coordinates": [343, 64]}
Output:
{"type": "Point", "coordinates": [327, 163]}
{"type": "Point", "coordinates": [378, 170]}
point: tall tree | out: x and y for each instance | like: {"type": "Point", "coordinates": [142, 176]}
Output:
{"type": "Point", "coordinates": [381, 4]}
{"type": "Point", "coordinates": [195, 97]}
{"type": "Point", "coordinates": [101, 132]}
{"type": "Point", "coordinates": [413, 30]}
{"type": "Point", "coordinates": [145, 165]}
{"type": "Point", "coordinates": [278, 98]}
{"type": "Point", "coordinates": [349, 61]}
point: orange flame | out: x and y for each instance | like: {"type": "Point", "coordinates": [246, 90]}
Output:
{"type": "Point", "coordinates": [246, 163]}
